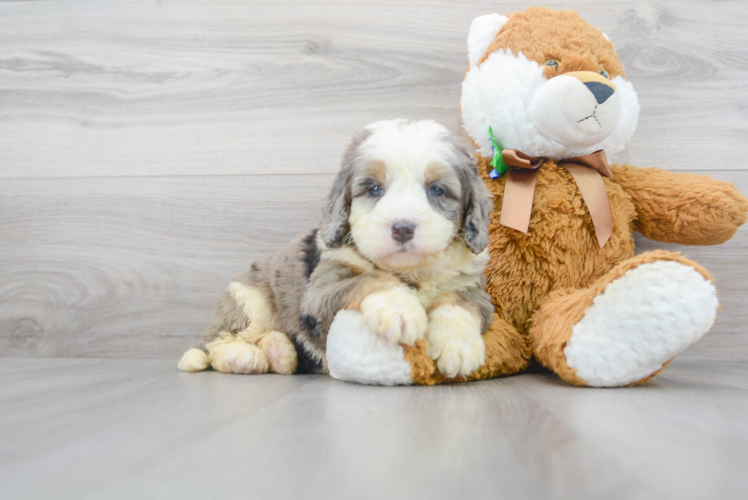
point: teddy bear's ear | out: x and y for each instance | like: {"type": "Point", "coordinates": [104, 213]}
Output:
{"type": "Point", "coordinates": [483, 30]}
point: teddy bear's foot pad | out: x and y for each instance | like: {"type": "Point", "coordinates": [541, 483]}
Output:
{"type": "Point", "coordinates": [639, 322]}
{"type": "Point", "coordinates": [355, 354]}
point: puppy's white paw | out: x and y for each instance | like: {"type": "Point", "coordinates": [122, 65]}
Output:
{"type": "Point", "coordinates": [396, 315]}
{"type": "Point", "coordinates": [238, 357]}
{"type": "Point", "coordinates": [280, 353]}
{"type": "Point", "coordinates": [453, 339]}
{"type": "Point", "coordinates": [194, 360]}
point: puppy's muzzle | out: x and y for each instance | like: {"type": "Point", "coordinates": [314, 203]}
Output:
{"type": "Point", "coordinates": [403, 230]}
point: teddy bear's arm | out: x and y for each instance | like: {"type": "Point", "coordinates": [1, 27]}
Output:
{"type": "Point", "coordinates": [682, 208]}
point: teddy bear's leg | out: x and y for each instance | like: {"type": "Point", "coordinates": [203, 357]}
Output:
{"type": "Point", "coordinates": [355, 355]}
{"type": "Point", "coordinates": [626, 327]}
{"type": "Point", "coordinates": [507, 353]}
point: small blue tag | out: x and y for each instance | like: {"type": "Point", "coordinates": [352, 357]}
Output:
{"type": "Point", "coordinates": [494, 174]}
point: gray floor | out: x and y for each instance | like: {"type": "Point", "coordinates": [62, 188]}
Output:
{"type": "Point", "coordinates": [94, 428]}
{"type": "Point", "coordinates": [151, 150]}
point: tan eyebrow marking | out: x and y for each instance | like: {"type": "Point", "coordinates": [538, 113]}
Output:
{"type": "Point", "coordinates": [376, 170]}
{"type": "Point", "coordinates": [447, 177]}
{"type": "Point", "coordinates": [437, 171]}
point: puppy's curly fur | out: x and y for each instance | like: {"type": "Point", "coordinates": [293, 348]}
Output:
{"type": "Point", "coordinates": [402, 240]}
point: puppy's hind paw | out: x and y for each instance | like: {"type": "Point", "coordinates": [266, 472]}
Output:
{"type": "Point", "coordinates": [194, 360]}
{"type": "Point", "coordinates": [396, 315]}
{"type": "Point", "coordinates": [238, 357]}
{"type": "Point", "coordinates": [280, 353]}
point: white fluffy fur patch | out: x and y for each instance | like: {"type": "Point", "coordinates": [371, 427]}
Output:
{"type": "Point", "coordinates": [639, 322]}
{"type": "Point", "coordinates": [482, 32]}
{"type": "Point", "coordinates": [354, 354]}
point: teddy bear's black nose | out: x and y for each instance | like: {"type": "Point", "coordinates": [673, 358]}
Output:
{"type": "Point", "coordinates": [600, 91]}
{"type": "Point", "coordinates": [403, 230]}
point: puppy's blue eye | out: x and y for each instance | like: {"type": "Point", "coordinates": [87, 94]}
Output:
{"type": "Point", "coordinates": [376, 191]}
{"type": "Point", "coordinates": [605, 74]}
{"type": "Point", "coordinates": [435, 191]}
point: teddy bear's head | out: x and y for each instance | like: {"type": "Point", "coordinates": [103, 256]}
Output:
{"type": "Point", "coordinates": [548, 84]}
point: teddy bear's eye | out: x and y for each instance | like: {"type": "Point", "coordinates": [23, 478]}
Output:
{"type": "Point", "coordinates": [553, 63]}
{"type": "Point", "coordinates": [605, 74]}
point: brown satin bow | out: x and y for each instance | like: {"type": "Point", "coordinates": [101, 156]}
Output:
{"type": "Point", "coordinates": [586, 171]}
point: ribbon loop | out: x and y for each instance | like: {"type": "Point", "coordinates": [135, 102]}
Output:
{"type": "Point", "coordinates": [597, 161]}
{"type": "Point", "coordinates": [518, 159]}
{"type": "Point", "coordinates": [586, 170]}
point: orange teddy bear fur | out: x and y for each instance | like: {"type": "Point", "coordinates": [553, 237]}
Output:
{"type": "Point", "coordinates": [544, 281]}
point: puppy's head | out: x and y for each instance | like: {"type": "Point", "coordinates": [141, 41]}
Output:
{"type": "Point", "coordinates": [404, 193]}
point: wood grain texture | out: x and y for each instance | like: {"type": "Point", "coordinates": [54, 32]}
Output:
{"type": "Point", "coordinates": [105, 429]}
{"type": "Point", "coordinates": [94, 267]}
{"type": "Point", "coordinates": [239, 87]}
{"type": "Point", "coordinates": [151, 150]}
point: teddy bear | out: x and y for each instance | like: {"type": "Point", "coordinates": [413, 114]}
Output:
{"type": "Point", "coordinates": [545, 102]}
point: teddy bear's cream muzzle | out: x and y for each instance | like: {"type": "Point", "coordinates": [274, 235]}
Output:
{"type": "Point", "coordinates": [576, 109]}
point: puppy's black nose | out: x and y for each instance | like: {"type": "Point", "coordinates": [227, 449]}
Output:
{"type": "Point", "coordinates": [403, 230]}
{"type": "Point", "coordinates": [600, 91]}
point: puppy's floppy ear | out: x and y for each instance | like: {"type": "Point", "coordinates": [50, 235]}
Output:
{"type": "Point", "coordinates": [334, 226]}
{"type": "Point", "coordinates": [478, 206]}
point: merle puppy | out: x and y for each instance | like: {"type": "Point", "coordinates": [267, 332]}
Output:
{"type": "Point", "coordinates": [402, 240]}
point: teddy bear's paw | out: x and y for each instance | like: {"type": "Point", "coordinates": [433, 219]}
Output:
{"type": "Point", "coordinates": [237, 357]}
{"type": "Point", "coordinates": [397, 315]}
{"type": "Point", "coordinates": [355, 355]}
{"type": "Point", "coordinates": [639, 322]}
{"type": "Point", "coordinates": [280, 353]}
{"type": "Point", "coordinates": [453, 339]}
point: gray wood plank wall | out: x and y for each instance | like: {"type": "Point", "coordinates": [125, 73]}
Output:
{"type": "Point", "coordinates": [151, 150]}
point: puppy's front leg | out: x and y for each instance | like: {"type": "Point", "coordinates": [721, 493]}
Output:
{"type": "Point", "coordinates": [453, 337]}
{"type": "Point", "coordinates": [389, 308]}
{"type": "Point", "coordinates": [396, 314]}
